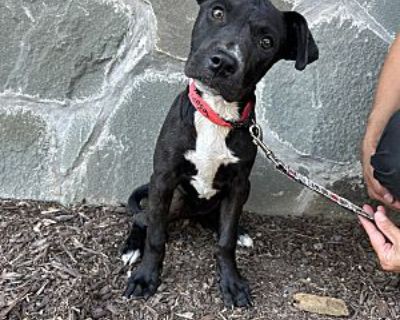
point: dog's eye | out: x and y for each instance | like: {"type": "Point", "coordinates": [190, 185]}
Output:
{"type": "Point", "coordinates": [218, 13]}
{"type": "Point", "coordinates": [266, 43]}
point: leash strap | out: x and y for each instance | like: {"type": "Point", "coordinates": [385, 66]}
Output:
{"type": "Point", "coordinates": [256, 134]}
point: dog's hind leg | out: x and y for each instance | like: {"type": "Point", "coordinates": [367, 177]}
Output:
{"type": "Point", "coordinates": [133, 248]}
{"type": "Point", "coordinates": [144, 282]}
{"type": "Point", "coordinates": [135, 199]}
{"type": "Point", "coordinates": [211, 221]}
{"type": "Point", "coordinates": [134, 244]}
{"type": "Point", "coordinates": [243, 239]}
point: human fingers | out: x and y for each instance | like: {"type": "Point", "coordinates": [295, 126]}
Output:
{"type": "Point", "coordinates": [376, 238]}
{"type": "Point", "coordinates": [386, 226]}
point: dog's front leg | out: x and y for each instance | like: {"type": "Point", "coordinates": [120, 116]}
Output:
{"type": "Point", "coordinates": [235, 290]}
{"type": "Point", "coordinates": [145, 281]}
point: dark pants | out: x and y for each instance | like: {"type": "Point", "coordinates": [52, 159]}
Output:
{"type": "Point", "coordinates": [386, 161]}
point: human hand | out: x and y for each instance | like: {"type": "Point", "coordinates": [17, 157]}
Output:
{"type": "Point", "coordinates": [375, 189]}
{"type": "Point", "coordinates": [384, 237]}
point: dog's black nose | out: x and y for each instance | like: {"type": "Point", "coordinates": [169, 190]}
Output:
{"type": "Point", "coordinates": [223, 64]}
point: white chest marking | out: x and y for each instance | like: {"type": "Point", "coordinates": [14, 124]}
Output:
{"type": "Point", "coordinates": [211, 149]}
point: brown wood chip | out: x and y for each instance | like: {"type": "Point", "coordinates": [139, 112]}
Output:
{"type": "Point", "coordinates": [321, 305]}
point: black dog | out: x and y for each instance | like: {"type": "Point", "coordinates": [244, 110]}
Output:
{"type": "Point", "coordinates": [203, 160]}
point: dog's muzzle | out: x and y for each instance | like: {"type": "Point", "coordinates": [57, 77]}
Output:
{"type": "Point", "coordinates": [222, 64]}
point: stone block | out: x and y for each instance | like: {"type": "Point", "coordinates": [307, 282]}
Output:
{"type": "Point", "coordinates": [26, 163]}
{"type": "Point", "coordinates": [57, 49]}
{"type": "Point", "coordinates": [118, 157]}
{"type": "Point", "coordinates": [385, 13]}
{"type": "Point", "coordinates": [174, 26]}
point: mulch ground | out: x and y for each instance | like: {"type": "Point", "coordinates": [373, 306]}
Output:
{"type": "Point", "coordinates": [63, 263]}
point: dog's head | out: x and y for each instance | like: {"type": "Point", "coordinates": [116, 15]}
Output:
{"type": "Point", "coordinates": [235, 42]}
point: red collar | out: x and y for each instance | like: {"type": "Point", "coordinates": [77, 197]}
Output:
{"type": "Point", "coordinates": [202, 107]}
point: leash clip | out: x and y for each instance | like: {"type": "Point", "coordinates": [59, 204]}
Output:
{"type": "Point", "coordinates": [256, 132]}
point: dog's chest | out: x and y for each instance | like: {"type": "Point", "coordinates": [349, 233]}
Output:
{"type": "Point", "coordinates": [211, 150]}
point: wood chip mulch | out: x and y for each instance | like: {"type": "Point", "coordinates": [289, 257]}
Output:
{"type": "Point", "coordinates": [63, 263]}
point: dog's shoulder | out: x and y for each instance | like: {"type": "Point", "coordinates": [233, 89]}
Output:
{"type": "Point", "coordinates": [181, 111]}
{"type": "Point", "coordinates": [178, 132]}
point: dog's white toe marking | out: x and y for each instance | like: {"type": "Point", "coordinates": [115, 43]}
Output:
{"type": "Point", "coordinates": [130, 257]}
{"type": "Point", "coordinates": [126, 257]}
{"type": "Point", "coordinates": [244, 240]}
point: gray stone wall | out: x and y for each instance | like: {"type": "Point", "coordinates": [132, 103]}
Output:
{"type": "Point", "coordinates": [86, 84]}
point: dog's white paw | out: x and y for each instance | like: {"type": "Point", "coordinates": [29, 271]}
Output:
{"type": "Point", "coordinates": [244, 240]}
{"type": "Point", "coordinates": [130, 257]}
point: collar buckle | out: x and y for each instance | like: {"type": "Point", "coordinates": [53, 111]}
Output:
{"type": "Point", "coordinates": [239, 124]}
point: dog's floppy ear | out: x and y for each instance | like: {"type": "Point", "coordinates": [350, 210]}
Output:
{"type": "Point", "coordinates": [300, 45]}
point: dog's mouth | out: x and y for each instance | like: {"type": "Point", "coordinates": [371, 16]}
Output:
{"type": "Point", "coordinates": [227, 88]}
{"type": "Point", "coordinates": [205, 86]}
